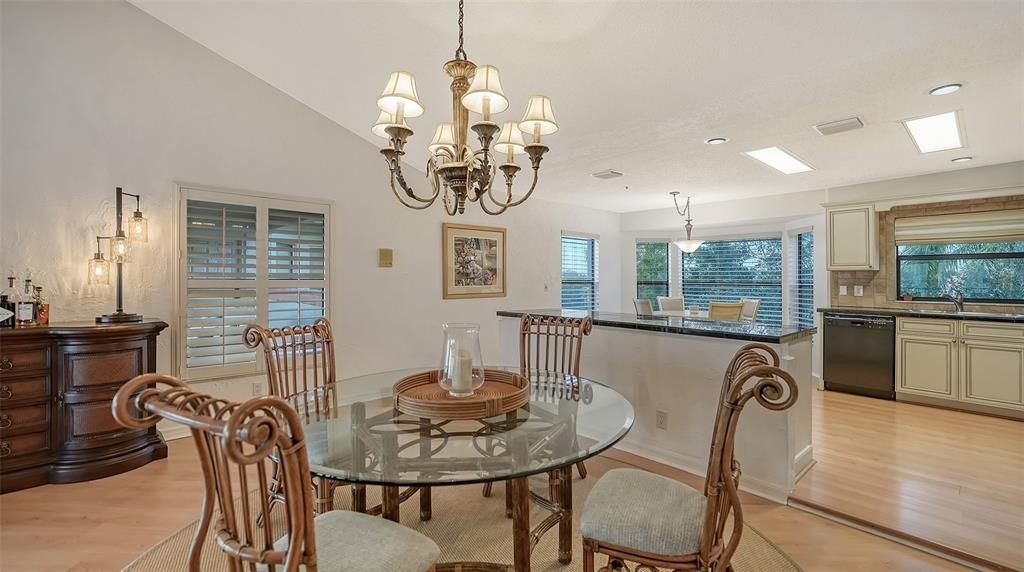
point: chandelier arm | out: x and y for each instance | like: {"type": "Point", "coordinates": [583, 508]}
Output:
{"type": "Point", "coordinates": [449, 207]}
{"type": "Point", "coordinates": [510, 203]}
{"type": "Point", "coordinates": [396, 174]}
{"type": "Point", "coordinates": [424, 204]}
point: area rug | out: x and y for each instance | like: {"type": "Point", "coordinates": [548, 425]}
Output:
{"type": "Point", "coordinates": [467, 527]}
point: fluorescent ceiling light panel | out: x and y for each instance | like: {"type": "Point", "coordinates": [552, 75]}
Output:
{"type": "Point", "coordinates": [935, 132]}
{"type": "Point", "coordinates": [780, 159]}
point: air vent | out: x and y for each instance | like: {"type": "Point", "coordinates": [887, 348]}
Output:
{"type": "Point", "coordinates": [607, 174]}
{"type": "Point", "coordinates": [833, 127]}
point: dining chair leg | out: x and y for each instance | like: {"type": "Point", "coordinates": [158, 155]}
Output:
{"type": "Point", "coordinates": [359, 498]}
{"type": "Point", "coordinates": [581, 468]}
{"type": "Point", "coordinates": [520, 493]}
{"type": "Point", "coordinates": [588, 556]}
{"type": "Point", "coordinates": [390, 503]}
{"type": "Point", "coordinates": [425, 509]}
{"type": "Point", "coordinates": [324, 495]}
{"type": "Point", "coordinates": [488, 487]}
{"type": "Point", "coordinates": [508, 499]}
{"type": "Point", "coordinates": [565, 522]}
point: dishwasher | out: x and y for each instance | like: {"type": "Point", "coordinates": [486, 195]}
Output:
{"type": "Point", "coordinates": [860, 354]}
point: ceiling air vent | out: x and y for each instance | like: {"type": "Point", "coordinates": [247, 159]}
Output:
{"type": "Point", "coordinates": [833, 127]}
{"type": "Point", "coordinates": [607, 174]}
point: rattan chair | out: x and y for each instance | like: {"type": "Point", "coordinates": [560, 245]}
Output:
{"type": "Point", "coordinates": [750, 308]}
{"type": "Point", "coordinates": [643, 307]}
{"type": "Point", "coordinates": [725, 311]}
{"type": "Point", "coordinates": [657, 522]}
{"type": "Point", "coordinates": [552, 344]}
{"type": "Point", "coordinates": [239, 444]}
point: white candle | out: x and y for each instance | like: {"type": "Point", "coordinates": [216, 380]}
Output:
{"type": "Point", "coordinates": [462, 374]}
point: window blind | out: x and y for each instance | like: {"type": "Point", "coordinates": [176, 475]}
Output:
{"type": "Point", "coordinates": [989, 226]}
{"type": "Point", "coordinates": [802, 270]}
{"type": "Point", "coordinates": [652, 271]}
{"type": "Point", "coordinates": [579, 273]}
{"type": "Point", "coordinates": [216, 320]}
{"type": "Point", "coordinates": [729, 270]}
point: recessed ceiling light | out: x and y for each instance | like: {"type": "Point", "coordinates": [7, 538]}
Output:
{"type": "Point", "coordinates": [935, 132]}
{"type": "Point", "coordinates": [780, 159]}
{"type": "Point", "coordinates": [945, 89]}
{"type": "Point", "coordinates": [961, 159]}
{"type": "Point", "coordinates": [717, 140]}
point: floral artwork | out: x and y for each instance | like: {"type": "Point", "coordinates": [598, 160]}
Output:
{"type": "Point", "coordinates": [474, 261]}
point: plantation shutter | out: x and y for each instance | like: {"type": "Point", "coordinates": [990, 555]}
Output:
{"type": "Point", "coordinates": [580, 272]}
{"type": "Point", "coordinates": [726, 271]}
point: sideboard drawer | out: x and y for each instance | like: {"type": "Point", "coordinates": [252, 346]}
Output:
{"type": "Point", "coordinates": [24, 419]}
{"type": "Point", "coordinates": [21, 445]}
{"type": "Point", "coordinates": [103, 365]}
{"type": "Point", "coordinates": [18, 360]}
{"type": "Point", "coordinates": [19, 388]}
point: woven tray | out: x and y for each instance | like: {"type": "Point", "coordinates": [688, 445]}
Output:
{"type": "Point", "coordinates": [422, 396]}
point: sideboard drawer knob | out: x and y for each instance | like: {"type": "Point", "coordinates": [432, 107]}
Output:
{"type": "Point", "coordinates": [6, 364]}
{"type": "Point", "coordinates": [5, 392]}
{"type": "Point", "coordinates": [5, 449]}
{"type": "Point", "coordinates": [5, 421]}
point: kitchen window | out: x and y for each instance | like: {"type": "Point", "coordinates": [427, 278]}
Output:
{"type": "Point", "coordinates": [579, 272]}
{"type": "Point", "coordinates": [728, 270]}
{"type": "Point", "coordinates": [652, 270]}
{"type": "Point", "coordinates": [983, 271]}
{"type": "Point", "coordinates": [802, 289]}
{"type": "Point", "coordinates": [246, 260]}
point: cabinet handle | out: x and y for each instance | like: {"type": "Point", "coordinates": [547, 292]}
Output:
{"type": "Point", "coordinates": [5, 392]}
{"type": "Point", "coordinates": [5, 421]}
{"type": "Point", "coordinates": [6, 364]}
{"type": "Point", "coordinates": [5, 449]}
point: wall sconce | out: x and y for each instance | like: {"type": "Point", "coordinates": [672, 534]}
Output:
{"type": "Point", "coordinates": [120, 252]}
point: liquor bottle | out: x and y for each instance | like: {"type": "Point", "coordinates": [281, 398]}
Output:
{"type": "Point", "coordinates": [42, 306]}
{"type": "Point", "coordinates": [26, 306]}
{"type": "Point", "coordinates": [8, 304]}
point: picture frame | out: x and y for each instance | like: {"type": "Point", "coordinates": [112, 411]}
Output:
{"type": "Point", "coordinates": [473, 261]}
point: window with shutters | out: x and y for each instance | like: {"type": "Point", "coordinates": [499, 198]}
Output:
{"type": "Point", "coordinates": [579, 272]}
{"type": "Point", "coordinates": [246, 260]}
{"type": "Point", "coordinates": [652, 270]}
{"type": "Point", "coordinates": [801, 291]}
{"type": "Point", "coordinates": [730, 270]}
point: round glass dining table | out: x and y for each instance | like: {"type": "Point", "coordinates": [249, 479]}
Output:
{"type": "Point", "coordinates": [355, 435]}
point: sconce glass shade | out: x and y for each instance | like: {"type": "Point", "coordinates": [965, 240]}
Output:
{"type": "Point", "coordinates": [486, 86]}
{"type": "Point", "coordinates": [539, 116]}
{"type": "Point", "coordinates": [444, 138]}
{"type": "Point", "coordinates": [99, 270]}
{"type": "Point", "coordinates": [138, 228]}
{"type": "Point", "coordinates": [401, 89]}
{"type": "Point", "coordinates": [385, 120]}
{"type": "Point", "coordinates": [120, 249]}
{"type": "Point", "coordinates": [510, 140]}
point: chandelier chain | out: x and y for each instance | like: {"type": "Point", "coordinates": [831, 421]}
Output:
{"type": "Point", "coordinates": [460, 54]}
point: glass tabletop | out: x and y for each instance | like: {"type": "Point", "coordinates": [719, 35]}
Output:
{"type": "Point", "coordinates": [354, 433]}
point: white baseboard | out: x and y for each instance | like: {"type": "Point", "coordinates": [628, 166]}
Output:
{"type": "Point", "coordinates": [174, 432]}
{"type": "Point", "coordinates": [698, 467]}
{"type": "Point", "coordinates": [818, 382]}
{"type": "Point", "coordinates": [803, 462]}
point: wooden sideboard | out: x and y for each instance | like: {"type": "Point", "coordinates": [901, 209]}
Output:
{"type": "Point", "coordinates": [56, 385]}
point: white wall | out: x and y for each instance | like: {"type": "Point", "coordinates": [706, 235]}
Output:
{"type": "Point", "coordinates": [98, 95]}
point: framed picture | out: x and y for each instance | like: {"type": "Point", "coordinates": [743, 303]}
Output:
{"type": "Point", "coordinates": [474, 261]}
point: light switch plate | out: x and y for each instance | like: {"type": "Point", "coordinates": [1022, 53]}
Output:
{"type": "Point", "coordinates": [858, 290]}
{"type": "Point", "coordinates": [843, 291]}
{"type": "Point", "coordinates": [385, 257]}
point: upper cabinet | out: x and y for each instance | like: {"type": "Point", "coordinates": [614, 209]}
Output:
{"type": "Point", "coordinates": [852, 237]}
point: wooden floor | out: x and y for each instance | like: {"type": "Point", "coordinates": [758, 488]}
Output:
{"type": "Point", "coordinates": [102, 525]}
{"type": "Point", "coordinates": [955, 479]}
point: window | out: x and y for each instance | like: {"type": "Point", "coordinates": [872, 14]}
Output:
{"type": "Point", "coordinates": [651, 270]}
{"type": "Point", "coordinates": [802, 291]}
{"type": "Point", "coordinates": [246, 260]}
{"type": "Point", "coordinates": [985, 271]}
{"type": "Point", "coordinates": [579, 272]}
{"type": "Point", "coordinates": [728, 270]}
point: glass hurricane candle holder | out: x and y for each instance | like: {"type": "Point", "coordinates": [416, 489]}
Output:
{"type": "Point", "coordinates": [462, 365]}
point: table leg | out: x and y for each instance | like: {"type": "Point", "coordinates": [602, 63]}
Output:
{"type": "Point", "coordinates": [425, 508]}
{"type": "Point", "coordinates": [390, 503]}
{"type": "Point", "coordinates": [520, 496]}
{"type": "Point", "coordinates": [565, 524]}
{"type": "Point", "coordinates": [359, 498]}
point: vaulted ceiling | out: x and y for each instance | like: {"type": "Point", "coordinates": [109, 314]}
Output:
{"type": "Point", "coordinates": [638, 87]}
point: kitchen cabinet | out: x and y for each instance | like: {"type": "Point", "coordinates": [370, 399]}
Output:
{"type": "Point", "coordinates": [968, 364]}
{"type": "Point", "coordinates": [852, 237]}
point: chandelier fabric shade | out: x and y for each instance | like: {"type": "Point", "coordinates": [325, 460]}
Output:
{"type": "Point", "coordinates": [539, 118]}
{"type": "Point", "coordinates": [444, 138]}
{"type": "Point", "coordinates": [400, 95]}
{"type": "Point", "coordinates": [485, 95]}
{"type": "Point", "coordinates": [385, 120]}
{"type": "Point", "coordinates": [510, 140]}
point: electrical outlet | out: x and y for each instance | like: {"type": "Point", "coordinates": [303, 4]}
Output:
{"type": "Point", "coordinates": [858, 290]}
{"type": "Point", "coordinates": [843, 290]}
{"type": "Point", "coordinates": [257, 388]}
{"type": "Point", "coordinates": [661, 419]}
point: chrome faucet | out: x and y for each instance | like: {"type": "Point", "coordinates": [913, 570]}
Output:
{"type": "Point", "coordinates": [957, 301]}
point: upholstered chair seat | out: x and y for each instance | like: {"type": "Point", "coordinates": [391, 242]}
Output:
{"type": "Point", "coordinates": [347, 540]}
{"type": "Point", "coordinates": [645, 512]}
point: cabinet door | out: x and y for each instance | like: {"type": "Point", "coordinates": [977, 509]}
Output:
{"type": "Point", "coordinates": [992, 373]}
{"type": "Point", "coordinates": [853, 238]}
{"type": "Point", "coordinates": [927, 366]}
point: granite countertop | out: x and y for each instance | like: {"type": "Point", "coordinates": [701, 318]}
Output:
{"type": "Point", "coordinates": [748, 331]}
{"type": "Point", "coordinates": [944, 314]}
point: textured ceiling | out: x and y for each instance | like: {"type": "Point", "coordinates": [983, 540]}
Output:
{"type": "Point", "coordinates": [638, 87]}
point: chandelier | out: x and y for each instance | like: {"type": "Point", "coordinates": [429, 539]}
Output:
{"type": "Point", "coordinates": [455, 171]}
{"type": "Point", "coordinates": [688, 245]}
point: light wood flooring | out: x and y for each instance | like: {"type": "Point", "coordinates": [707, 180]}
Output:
{"type": "Point", "coordinates": [951, 478]}
{"type": "Point", "coordinates": [102, 525]}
